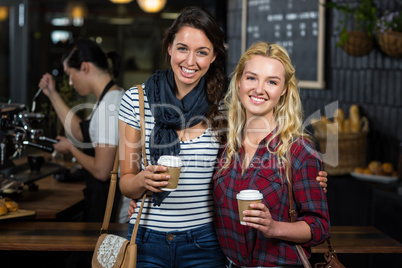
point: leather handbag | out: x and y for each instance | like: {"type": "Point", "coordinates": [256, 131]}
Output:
{"type": "Point", "coordinates": [111, 250]}
{"type": "Point", "coordinates": [331, 259]}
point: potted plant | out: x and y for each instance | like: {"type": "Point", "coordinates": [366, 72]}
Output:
{"type": "Point", "coordinates": [389, 33]}
{"type": "Point", "coordinates": [357, 39]}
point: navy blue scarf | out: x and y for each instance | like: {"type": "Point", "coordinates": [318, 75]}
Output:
{"type": "Point", "coordinates": [172, 114]}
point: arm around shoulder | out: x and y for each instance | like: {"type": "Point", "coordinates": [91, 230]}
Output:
{"type": "Point", "coordinates": [309, 196]}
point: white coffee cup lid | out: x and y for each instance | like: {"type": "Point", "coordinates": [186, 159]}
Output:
{"type": "Point", "coordinates": [249, 195]}
{"type": "Point", "coordinates": [170, 161]}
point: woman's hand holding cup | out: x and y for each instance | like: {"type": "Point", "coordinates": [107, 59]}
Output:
{"type": "Point", "coordinates": [173, 165]}
{"type": "Point", "coordinates": [155, 178]}
{"type": "Point", "coordinates": [260, 218]}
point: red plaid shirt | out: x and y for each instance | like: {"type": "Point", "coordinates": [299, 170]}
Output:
{"type": "Point", "coordinates": [245, 245]}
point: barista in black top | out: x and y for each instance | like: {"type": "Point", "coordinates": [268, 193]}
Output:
{"type": "Point", "coordinates": [87, 67]}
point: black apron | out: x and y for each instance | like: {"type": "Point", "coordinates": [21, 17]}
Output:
{"type": "Point", "coordinates": [96, 191]}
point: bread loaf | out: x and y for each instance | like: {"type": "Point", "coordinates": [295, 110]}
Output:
{"type": "Point", "coordinates": [3, 209]}
{"type": "Point", "coordinates": [354, 116]}
{"type": "Point", "coordinates": [339, 117]}
{"type": "Point", "coordinates": [340, 123]}
{"type": "Point", "coordinates": [319, 126]}
{"type": "Point", "coordinates": [331, 128]}
{"type": "Point", "coordinates": [359, 170]}
{"type": "Point", "coordinates": [387, 169]}
{"type": "Point", "coordinates": [346, 126]}
{"type": "Point", "coordinates": [11, 205]}
{"type": "Point", "coordinates": [374, 167]}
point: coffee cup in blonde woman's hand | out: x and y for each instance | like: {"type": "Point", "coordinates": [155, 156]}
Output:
{"type": "Point", "coordinates": [244, 199]}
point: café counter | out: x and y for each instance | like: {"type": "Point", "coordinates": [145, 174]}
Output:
{"type": "Point", "coordinates": [46, 197]}
{"type": "Point", "coordinates": [53, 200]}
{"type": "Point", "coordinates": [82, 236]}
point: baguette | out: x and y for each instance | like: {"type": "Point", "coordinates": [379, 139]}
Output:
{"type": "Point", "coordinates": [346, 126]}
{"type": "Point", "coordinates": [354, 116]}
{"type": "Point", "coordinates": [339, 117]}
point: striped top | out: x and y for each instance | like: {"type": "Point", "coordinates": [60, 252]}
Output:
{"type": "Point", "coordinates": [192, 204]}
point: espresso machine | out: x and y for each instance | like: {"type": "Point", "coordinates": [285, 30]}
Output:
{"type": "Point", "coordinates": [16, 133]}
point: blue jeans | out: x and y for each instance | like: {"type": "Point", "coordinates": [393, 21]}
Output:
{"type": "Point", "coordinates": [198, 247]}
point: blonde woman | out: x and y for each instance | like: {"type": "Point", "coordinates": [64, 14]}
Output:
{"type": "Point", "coordinates": [265, 139]}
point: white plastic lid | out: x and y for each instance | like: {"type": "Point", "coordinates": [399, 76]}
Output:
{"type": "Point", "coordinates": [170, 161]}
{"type": "Point", "coordinates": [249, 195]}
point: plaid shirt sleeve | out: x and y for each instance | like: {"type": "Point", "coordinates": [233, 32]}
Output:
{"type": "Point", "coordinates": [309, 196]}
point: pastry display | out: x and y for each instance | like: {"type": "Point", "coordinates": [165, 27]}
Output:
{"type": "Point", "coordinates": [8, 205]}
{"type": "Point", "coordinates": [342, 138]}
{"type": "Point", "coordinates": [340, 123]}
{"type": "Point", "coordinates": [377, 168]}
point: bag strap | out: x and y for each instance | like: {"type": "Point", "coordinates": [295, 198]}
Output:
{"type": "Point", "coordinates": [113, 179]}
{"type": "Point", "coordinates": [144, 157]}
{"type": "Point", "coordinates": [110, 196]}
{"type": "Point", "coordinates": [142, 122]}
{"type": "Point", "coordinates": [292, 213]}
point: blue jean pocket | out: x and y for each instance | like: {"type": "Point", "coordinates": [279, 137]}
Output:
{"type": "Point", "coordinates": [207, 241]}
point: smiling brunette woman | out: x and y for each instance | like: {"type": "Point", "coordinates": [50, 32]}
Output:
{"type": "Point", "coordinates": [181, 112]}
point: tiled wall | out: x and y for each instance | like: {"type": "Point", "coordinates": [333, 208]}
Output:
{"type": "Point", "coordinates": [373, 81]}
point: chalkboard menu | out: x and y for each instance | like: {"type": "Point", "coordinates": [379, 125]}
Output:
{"type": "Point", "coordinates": [297, 25]}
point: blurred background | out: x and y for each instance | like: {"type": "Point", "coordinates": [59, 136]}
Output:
{"type": "Point", "coordinates": [34, 34]}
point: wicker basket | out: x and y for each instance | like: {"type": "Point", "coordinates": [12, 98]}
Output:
{"type": "Point", "coordinates": [358, 43]}
{"type": "Point", "coordinates": [344, 152]}
{"type": "Point", "coordinates": [391, 43]}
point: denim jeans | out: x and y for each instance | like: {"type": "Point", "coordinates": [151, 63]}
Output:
{"type": "Point", "coordinates": [198, 247]}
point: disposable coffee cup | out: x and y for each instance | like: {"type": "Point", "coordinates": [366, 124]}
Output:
{"type": "Point", "coordinates": [173, 164]}
{"type": "Point", "coordinates": [244, 199]}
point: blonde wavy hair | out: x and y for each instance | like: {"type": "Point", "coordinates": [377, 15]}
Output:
{"type": "Point", "coordinates": [288, 113]}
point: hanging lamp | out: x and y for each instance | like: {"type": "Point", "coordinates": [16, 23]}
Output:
{"type": "Point", "coordinates": [120, 1]}
{"type": "Point", "coordinates": [151, 6]}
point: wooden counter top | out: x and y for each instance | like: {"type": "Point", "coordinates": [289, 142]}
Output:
{"type": "Point", "coordinates": [53, 236]}
{"type": "Point", "coordinates": [359, 239]}
{"type": "Point", "coordinates": [80, 236]}
{"type": "Point", "coordinates": [52, 198]}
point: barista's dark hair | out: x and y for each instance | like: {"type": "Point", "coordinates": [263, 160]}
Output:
{"type": "Point", "coordinates": [215, 80]}
{"type": "Point", "coordinates": [87, 50]}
